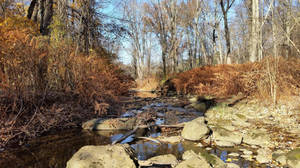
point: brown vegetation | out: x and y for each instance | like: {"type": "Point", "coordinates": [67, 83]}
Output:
{"type": "Point", "coordinates": [148, 84]}
{"type": "Point", "coordinates": [47, 85]}
{"type": "Point", "coordinates": [252, 79]}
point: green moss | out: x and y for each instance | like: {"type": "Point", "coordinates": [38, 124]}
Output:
{"type": "Point", "coordinates": [219, 122]}
{"type": "Point", "coordinates": [241, 116]}
{"type": "Point", "coordinates": [222, 131]}
{"type": "Point", "coordinates": [276, 155]}
{"type": "Point", "coordinates": [294, 154]}
{"type": "Point", "coordinates": [208, 157]}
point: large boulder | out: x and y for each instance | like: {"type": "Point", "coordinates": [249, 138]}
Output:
{"type": "Point", "coordinates": [110, 124]}
{"type": "Point", "coordinates": [225, 138]}
{"type": "Point", "coordinates": [195, 129]}
{"type": "Point", "coordinates": [257, 137]}
{"type": "Point", "coordinates": [109, 156]}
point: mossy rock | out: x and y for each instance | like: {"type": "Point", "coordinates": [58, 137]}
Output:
{"type": "Point", "coordinates": [257, 137]}
{"type": "Point", "coordinates": [241, 116]}
{"type": "Point", "coordinates": [293, 158]}
{"type": "Point", "coordinates": [213, 160]}
{"type": "Point", "coordinates": [294, 154]}
{"type": "Point", "coordinates": [199, 107]}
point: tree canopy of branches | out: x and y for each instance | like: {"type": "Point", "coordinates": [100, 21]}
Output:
{"type": "Point", "coordinates": [192, 33]}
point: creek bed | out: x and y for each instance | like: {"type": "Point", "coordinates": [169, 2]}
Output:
{"type": "Point", "coordinates": [54, 150]}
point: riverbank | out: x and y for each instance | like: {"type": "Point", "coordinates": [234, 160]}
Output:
{"type": "Point", "coordinates": [253, 130]}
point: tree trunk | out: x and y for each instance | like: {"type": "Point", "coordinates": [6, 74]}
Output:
{"type": "Point", "coordinates": [31, 8]}
{"type": "Point", "coordinates": [163, 57]}
{"type": "Point", "coordinates": [227, 38]}
{"type": "Point", "coordinates": [254, 31]}
{"type": "Point", "coordinates": [47, 17]}
{"type": "Point", "coordinates": [274, 32]}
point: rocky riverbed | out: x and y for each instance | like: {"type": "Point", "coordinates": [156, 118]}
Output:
{"type": "Point", "coordinates": [174, 132]}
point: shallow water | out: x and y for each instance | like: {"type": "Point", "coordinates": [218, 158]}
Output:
{"type": "Point", "coordinates": [55, 150]}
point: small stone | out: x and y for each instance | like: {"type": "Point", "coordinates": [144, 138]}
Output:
{"type": "Point", "coordinates": [281, 160]}
{"type": "Point", "coordinates": [234, 154]}
{"type": "Point", "coordinates": [247, 152]}
{"type": "Point", "coordinates": [247, 157]}
{"type": "Point", "coordinates": [168, 159]}
{"type": "Point", "coordinates": [207, 140]}
{"type": "Point", "coordinates": [208, 148]}
{"type": "Point", "coordinates": [254, 146]}
{"type": "Point", "coordinates": [232, 165]}
{"type": "Point", "coordinates": [199, 145]}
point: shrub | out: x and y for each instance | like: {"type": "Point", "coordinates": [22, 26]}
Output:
{"type": "Point", "coordinates": [252, 79]}
{"type": "Point", "coordinates": [46, 85]}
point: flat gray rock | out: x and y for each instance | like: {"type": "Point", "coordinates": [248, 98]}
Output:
{"type": "Point", "coordinates": [108, 156]}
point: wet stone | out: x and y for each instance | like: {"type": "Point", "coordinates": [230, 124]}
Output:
{"type": "Point", "coordinates": [195, 129]}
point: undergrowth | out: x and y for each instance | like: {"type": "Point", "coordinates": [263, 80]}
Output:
{"type": "Point", "coordinates": [148, 84]}
{"type": "Point", "coordinates": [47, 85]}
{"type": "Point", "coordinates": [260, 79]}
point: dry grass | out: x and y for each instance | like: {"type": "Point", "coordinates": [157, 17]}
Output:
{"type": "Point", "coordinates": [45, 85]}
{"type": "Point", "coordinates": [251, 79]}
{"type": "Point", "coordinates": [148, 84]}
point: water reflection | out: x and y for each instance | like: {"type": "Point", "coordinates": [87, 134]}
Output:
{"type": "Point", "coordinates": [54, 151]}
{"type": "Point", "coordinates": [51, 151]}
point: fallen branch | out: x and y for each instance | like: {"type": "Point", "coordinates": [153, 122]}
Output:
{"type": "Point", "coordinates": [181, 125]}
{"type": "Point", "coordinates": [125, 136]}
{"type": "Point", "coordinates": [150, 139]}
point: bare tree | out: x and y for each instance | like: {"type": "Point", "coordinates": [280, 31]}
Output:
{"type": "Point", "coordinates": [255, 29]}
{"type": "Point", "coordinates": [225, 6]}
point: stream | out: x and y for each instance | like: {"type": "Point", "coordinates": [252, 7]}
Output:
{"type": "Point", "coordinates": [55, 149]}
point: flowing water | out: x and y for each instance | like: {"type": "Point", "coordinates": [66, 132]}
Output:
{"type": "Point", "coordinates": [56, 149]}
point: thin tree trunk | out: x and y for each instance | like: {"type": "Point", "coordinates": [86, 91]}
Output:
{"type": "Point", "coordinates": [274, 32]}
{"type": "Point", "coordinates": [254, 31]}
{"type": "Point", "coordinates": [31, 8]}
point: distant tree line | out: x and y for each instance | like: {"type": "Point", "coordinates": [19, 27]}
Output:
{"type": "Point", "coordinates": [191, 33]}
